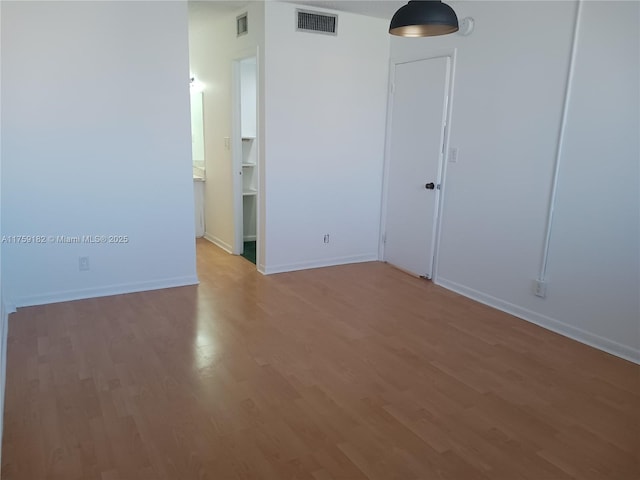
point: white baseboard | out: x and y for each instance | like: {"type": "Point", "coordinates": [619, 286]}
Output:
{"type": "Point", "coordinates": [329, 262]}
{"type": "Point", "coordinates": [216, 241]}
{"type": "Point", "coordinates": [69, 295]}
{"type": "Point", "coordinates": [575, 333]}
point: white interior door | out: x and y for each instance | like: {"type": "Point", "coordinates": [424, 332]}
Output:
{"type": "Point", "coordinates": [418, 115]}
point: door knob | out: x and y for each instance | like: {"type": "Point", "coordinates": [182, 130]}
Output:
{"type": "Point", "coordinates": [430, 186]}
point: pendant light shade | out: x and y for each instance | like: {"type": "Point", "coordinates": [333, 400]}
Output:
{"type": "Point", "coordinates": [424, 18]}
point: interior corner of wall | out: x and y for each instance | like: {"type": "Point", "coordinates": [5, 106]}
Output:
{"type": "Point", "coordinates": [7, 305]}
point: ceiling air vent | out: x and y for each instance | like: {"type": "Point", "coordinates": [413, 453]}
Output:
{"type": "Point", "coordinates": [316, 22]}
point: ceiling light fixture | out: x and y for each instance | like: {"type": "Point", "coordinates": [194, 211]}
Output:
{"type": "Point", "coordinates": [424, 18]}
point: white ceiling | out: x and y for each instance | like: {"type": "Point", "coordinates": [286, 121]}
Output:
{"type": "Point", "coordinates": [373, 8]}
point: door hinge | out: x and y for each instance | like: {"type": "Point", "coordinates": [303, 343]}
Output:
{"type": "Point", "coordinates": [384, 238]}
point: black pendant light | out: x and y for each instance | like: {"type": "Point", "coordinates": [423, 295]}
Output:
{"type": "Point", "coordinates": [424, 18]}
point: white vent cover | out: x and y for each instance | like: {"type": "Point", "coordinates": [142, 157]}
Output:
{"type": "Point", "coordinates": [316, 22]}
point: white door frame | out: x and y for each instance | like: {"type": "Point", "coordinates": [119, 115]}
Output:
{"type": "Point", "coordinates": [236, 154]}
{"type": "Point", "coordinates": [442, 168]}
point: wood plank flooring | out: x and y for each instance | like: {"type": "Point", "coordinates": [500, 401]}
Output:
{"type": "Point", "coordinates": [350, 372]}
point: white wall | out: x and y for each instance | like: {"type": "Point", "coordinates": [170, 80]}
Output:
{"type": "Point", "coordinates": [594, 262]}
{"type": "Point", "coordinates": [4, 324]}
{"type": "Point", "coordinates": [324, 140]}
{"type": "Point", "coordinates": [96, 141]}
{"type": "Point", "coordinates": [507, 107]}
{"type": "Point", "coordinates": [213, 45]}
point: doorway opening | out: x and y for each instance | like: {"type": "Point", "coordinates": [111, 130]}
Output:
{"type": "Point", "coordinates": [245, 157]}
{"type": "Point", "coordinates": [226, 66]}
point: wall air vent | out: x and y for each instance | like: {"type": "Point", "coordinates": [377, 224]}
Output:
{"type": "Point", "coordinates": [316, 22]}
{"type": "Point", "coordinates": [242, 25]}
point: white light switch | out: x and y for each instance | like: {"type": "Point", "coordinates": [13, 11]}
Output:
{"type": "Point", "coordinates": [226, 143]}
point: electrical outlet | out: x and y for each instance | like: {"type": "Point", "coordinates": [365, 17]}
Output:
{"type": "Point", "coordinates": [326, 238]}
{"type": "Point", "coordinates": [540, 288]}
{"type": "Point", "coordinates": [83, 263]}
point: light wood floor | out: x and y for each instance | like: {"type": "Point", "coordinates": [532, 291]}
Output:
{"type": "Point", "coordinates": [351, 372]}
